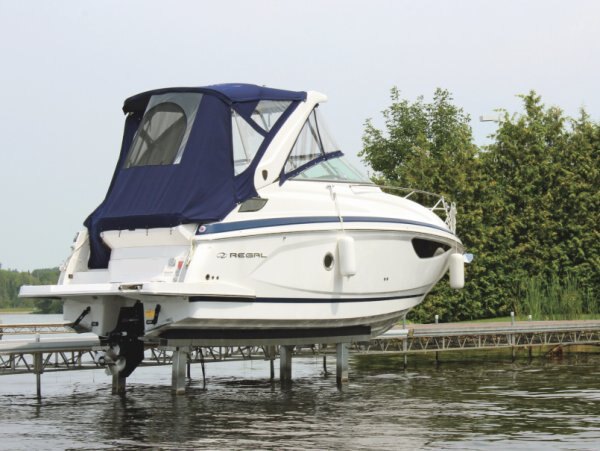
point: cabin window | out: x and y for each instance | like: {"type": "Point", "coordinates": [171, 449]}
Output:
{"type": "Point", "coordinates": [246, 139]}
{"type": "Point", "coordinates": [164, 130]}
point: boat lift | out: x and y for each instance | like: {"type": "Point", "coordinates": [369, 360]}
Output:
{"type": "Point", "coordinates": [49, 354]}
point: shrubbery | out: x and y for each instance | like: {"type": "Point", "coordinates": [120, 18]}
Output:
{"type": "Point", "coordinates": [11, 281]}
{"type": "Point", "coordinates": [528, 204]}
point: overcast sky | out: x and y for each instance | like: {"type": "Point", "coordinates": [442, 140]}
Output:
{"type": "Point", "coordinates": [67, 66]}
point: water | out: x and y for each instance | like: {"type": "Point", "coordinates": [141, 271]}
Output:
{"type": "Point", "coordinates": [497, 405]}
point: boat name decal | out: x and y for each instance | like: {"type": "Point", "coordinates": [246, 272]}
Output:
{"type": "Point", "coordinates": [241, 255]}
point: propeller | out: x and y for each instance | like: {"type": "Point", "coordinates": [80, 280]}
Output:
{"type": "Point", "coordinates": [114, 362]}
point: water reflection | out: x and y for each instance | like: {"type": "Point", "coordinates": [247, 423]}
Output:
{"type": "Point", "coordinates": [488, 405]}
{"type": "Point", "coordinates": [524, 401]}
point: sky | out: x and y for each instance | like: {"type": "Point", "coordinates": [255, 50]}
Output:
{"type": "Point", "coordinates": [67, 66]}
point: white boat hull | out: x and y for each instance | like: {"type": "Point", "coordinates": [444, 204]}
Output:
{"type": "Point", "coordinates": [271, 280]}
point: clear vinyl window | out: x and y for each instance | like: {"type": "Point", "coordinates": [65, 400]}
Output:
{"type": "Point", "coordinates": [316, 155]}
{"type": "Point", "coordinates": [268, 112]}
{"type": "Point", "coordinates": [164, 130]}
{"type": "Point", "coordinates": [337, 169]}
{"type": "Point", "coordinates": [246, 142]}
{"type": "Point", "coordinates": [313, 141]}
{"type": "Point", "coordinates": [246, 139]}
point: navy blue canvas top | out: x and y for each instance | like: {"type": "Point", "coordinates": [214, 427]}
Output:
{"type": "Point", "coordinates": [202, 187]}
{"type": "Point", "coordinates": [228, 92]}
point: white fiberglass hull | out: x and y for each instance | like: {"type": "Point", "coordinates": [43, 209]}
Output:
{"type": "Point", "coordinates": [286, 319]}
{"type": "Point", "coordinates": [270, 282]}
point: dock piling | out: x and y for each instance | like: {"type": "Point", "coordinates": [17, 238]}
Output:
{"type": "Point", "coordinates": [271, 352]}
{"type": "Point", "coordinates": [342, 363]}
{"type": "Point", "coordinates": [178, 372]}
{"type": "Point", "coordinates": [285, 363]}
{"type": "Point", "coordinates": [118, 384]}
{"type": "Point", "coordinates": [325, 372]}
{"type": "Point", "coordinates": [38, 370]}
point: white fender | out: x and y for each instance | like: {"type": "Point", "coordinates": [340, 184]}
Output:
{"type": "Point", "coordinates": [347, 256]}
{"type": "Point", "coordinates": [457, 271]}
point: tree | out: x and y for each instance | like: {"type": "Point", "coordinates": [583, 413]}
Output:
{"type": "Point", "coordinates": [542, 206]}
{"type": "Point", "coordinates": [11, 282]}
{"type": "Point", "coordinates": [429, 146]}
{"type": "Point", "coordinates": [528, 204]}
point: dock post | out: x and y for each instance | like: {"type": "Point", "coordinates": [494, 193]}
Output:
{"type": "Point", "coordinates": [38, 369]}
{"type": "Point", "coordinates": [285, 363]}
{"type": "Point", "coordinates": [271, 352]}
{"type": "Point", "coordinates": [405, 348]}
{"type": "Point", "coordinates": [513, 350]}
{"type": "Point", "coordinates": [178, 370]}
{"type": "Point", "coordinates": [341, 363]}
{"type": "Point", "coordinates": [118, 384]}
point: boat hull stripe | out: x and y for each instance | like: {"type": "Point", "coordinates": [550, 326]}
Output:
{"type": "Point", "coordinates": [222, 227]}
{"type": "Point", "coordinates": [297, 300]}
{"type": "Point", "coordinates": [265, 333]}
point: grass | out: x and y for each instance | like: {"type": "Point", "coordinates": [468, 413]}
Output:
{"type": "Point", "coordinates": [555, 298]}
{"type": "Point", "coordinates": [507, 319]}
{"type": "Point", "coordinates": [16, 310]}
{"type": "Point", "coordinates": [502, 319]}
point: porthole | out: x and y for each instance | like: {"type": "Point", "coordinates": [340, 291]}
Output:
{"type": "Point", "coordinates": [328, 261]}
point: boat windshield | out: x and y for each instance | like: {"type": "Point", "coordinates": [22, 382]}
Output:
{"type": "Point", "coordinates": [336, 169]}
{"type": "Point", "coordinates": [316, 156]}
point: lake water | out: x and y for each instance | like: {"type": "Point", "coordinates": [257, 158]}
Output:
{"type": "Point", "coordinates": [491, 405]}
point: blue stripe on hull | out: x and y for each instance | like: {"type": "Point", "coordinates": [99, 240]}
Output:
{"type": "Point", "coordinates": [222, 227]}
{"type": "Point", "coordinates": [296, 300]}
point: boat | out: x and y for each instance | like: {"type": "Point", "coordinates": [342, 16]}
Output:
{"type": "Point", "coordinates": [233, 217]}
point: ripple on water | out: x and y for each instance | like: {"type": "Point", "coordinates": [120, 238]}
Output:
{"type": "Point", "coordinates": [453, 406]}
